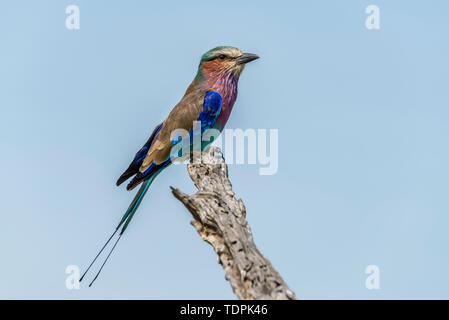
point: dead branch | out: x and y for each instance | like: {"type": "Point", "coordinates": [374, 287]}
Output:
{"type": "Point", "coordinates": [220, 220]}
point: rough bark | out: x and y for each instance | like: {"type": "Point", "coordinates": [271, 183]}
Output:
{"type": "Point", "coordinates": [220, 220]}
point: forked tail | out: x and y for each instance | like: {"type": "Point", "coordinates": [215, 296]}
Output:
{"type": "Point", "coordinates": [124, 222]}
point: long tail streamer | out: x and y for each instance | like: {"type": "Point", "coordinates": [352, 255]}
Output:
{"type": "Point", "coordinates": [126, 219]}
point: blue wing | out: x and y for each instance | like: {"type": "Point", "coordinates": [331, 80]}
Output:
{"type": "Point", "coordinates": [139, 157]}
{"type": "Point", "coordinates": [211, 108]}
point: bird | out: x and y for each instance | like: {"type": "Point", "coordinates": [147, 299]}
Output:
{"type": "Point", "coordinates": [210, 99]}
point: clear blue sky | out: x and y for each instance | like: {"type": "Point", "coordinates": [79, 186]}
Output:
{"type": "Point", "coordinates": [363, 159]}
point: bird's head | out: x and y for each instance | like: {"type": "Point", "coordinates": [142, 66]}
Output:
{"type": "Point", "coordinates": [225, 61]}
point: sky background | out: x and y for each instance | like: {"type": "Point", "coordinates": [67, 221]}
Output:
{"type": "Point", "coordinates": [363, 145]}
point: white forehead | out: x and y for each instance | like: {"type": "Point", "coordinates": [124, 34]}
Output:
{"type": "Point", "coordinates": [230, 52]}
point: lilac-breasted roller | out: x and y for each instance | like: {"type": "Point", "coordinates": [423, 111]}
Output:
{"type": "Point", "coordinates": [209, 99]}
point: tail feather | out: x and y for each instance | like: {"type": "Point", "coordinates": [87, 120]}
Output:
{"type": "Point", "coordinates": [126, 219]}
{"type": "Point", "coordinates": [136, 202]}
{"type": "Point", "coordinates": [142, 191]}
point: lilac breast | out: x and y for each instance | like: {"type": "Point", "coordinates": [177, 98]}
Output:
{"type": "Point", "coordinates": [227, 87]}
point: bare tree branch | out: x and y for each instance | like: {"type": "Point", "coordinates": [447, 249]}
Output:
{"type": "Point", "coordinates": [220, 220]}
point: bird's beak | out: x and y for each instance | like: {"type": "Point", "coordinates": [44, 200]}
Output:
{"type": "Point", "coordinates": [246, 57]}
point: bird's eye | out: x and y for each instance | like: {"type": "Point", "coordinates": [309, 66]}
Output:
{"type": "Point", "coordinates": [221, 57]}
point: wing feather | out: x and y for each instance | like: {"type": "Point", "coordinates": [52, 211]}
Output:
{"type": "Point", "coordinates": [203, 107]}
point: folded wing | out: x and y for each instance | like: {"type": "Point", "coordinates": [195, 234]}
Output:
{"type": "Point", "coordinates": [155, 154]}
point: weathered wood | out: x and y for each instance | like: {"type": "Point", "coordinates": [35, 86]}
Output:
{"type": "Point", "coordinates": [220, 220]}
